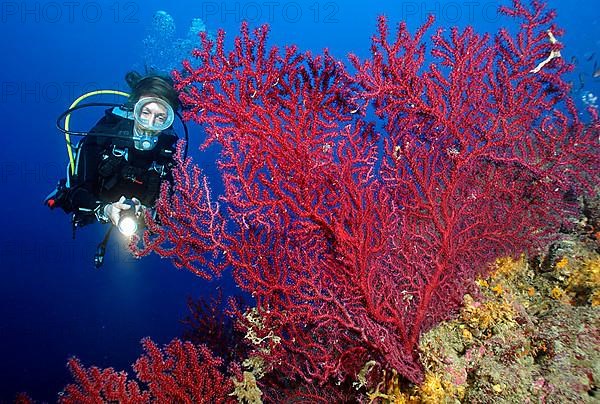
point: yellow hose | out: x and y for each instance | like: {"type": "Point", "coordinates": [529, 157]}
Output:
{"type": "Point", "coordinates": [68, 120]}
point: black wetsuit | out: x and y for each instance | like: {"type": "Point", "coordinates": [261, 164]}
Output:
{"type": "Point", "coordinates": [109, 167]}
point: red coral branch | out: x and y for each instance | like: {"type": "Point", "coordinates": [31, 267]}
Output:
{"type": "Point", "coordinates": [181, 372]}
{"type": "Point", "coordinates": [96, 385]}
{"type": "Point", "coordinates": [352, 246]}
{"type": "Point", "coordinates": [184, 373]}
{"type": "Point", "coordinates": [480, 153]}
{"type": "Point", "coordinates": [190, 227]}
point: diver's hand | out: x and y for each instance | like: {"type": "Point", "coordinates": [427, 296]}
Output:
{"type": "Point", "coordinates": [113, 210]}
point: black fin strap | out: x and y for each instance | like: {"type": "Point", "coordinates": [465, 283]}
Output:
{"type": "Point", "coordinates": [101, 249]}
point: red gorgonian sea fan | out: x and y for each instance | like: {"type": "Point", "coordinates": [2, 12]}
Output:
{"type": "Point", "coordinates": [355, 243]}
{"type": "Point", "coordinates": [180, 372]}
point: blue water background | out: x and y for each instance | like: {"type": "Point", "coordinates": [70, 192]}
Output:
{"type": "Point", "coordinates": [53, 303]}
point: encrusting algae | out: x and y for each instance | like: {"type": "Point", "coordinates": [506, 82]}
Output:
{"type": "Point", "coordinates": [528, 334]}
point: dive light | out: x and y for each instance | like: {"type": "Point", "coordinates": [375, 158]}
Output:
{"type": "Point", "coordinates": [129, 220]}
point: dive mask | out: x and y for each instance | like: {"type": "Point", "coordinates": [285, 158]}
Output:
{"type": "Point", "coordinates": [152, 115]}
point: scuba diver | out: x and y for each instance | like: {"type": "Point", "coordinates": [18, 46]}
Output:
{"type": "Point", "coordinates": [119, 165]}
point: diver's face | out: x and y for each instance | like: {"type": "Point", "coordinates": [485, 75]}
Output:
{"type": "Point", "coordinates": [153, 114]}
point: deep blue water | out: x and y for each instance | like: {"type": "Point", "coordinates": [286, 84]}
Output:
{"type": "Point", "coordinates": [53, 303]}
